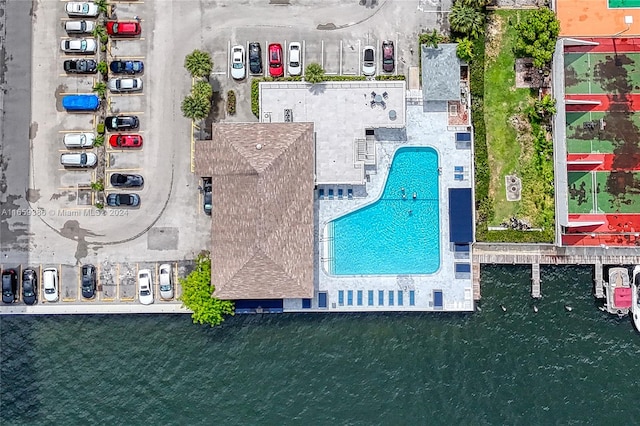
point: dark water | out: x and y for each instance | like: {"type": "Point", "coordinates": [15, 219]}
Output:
{"type": "Point", "coordinates": [518, 367]}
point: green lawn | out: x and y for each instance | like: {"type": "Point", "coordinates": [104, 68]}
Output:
{"type": "Point", "coordinates": [502, 101]}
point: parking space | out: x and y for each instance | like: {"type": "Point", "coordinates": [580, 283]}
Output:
{"type": "Point", "coordinates": [331, 56]}
{"type": "Point", "coordinates": [153, 269]}
{"type": "Point", "coordinates": [73, 180]}
{"type": "Point", "coordinates": [127, 275]}
{"type": "Point", "coordinates": [351, 52]}
{"type": "Point", "coordinates": [126, 48]}
{"type": "Point", "coordinates": [69, 283]}
{"type": "Point", "coordinates": [122, 160]}
{"type": "Point", "coordinates": [131, 103]}
{"type": "Point", "coordinates": [107, 281]}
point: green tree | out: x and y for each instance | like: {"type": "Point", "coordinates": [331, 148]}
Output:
{"type": "Point", "coordinates": [431, 39]}
{"type": "Point", "coordinates": [466, 20]}
{"type": "Point", "coordinates": [543, 108]}
{"type": "Point", "coordinates": [197, 291]}
{"type": "Point", "coordinates": [97, 185]}
{"type": "Point", "coordinates": [102, 5]}
{"type": "Point", "coordinates": [537, 34]}
{"type": "Point", "coordinates": [465, 49]}
{"type": "Point", "coordinates": [101, 32]}
{"type": "Point", "coordinates": [195, 107]}
{"type": "Point", "coordinates": [100, 88]}
{"type": "Point", "coordinates": [103, 68]}
{"type": "Point", "coordinates": [477, 4]}
{"type": "Point", "coordinates": [198, 63]}
{"type": "Point", "coordinates": [314, 73]}
{"type": "Point", "coordinates": [202, 89]}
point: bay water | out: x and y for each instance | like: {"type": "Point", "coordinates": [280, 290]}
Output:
{"type": "Point", "coordinates": [489, 367]}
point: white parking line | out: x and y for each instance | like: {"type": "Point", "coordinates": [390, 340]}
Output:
{"type": "Point", "coordinates": [340, 67]}
{"type": "Point", "coordinates": [228, 56]}
{"type": "Point", "coordinates": [304, 50]}
{"type": "Point", "coordinates": [322, 54]}
{"type": "Point", "coordinates": [359, 58]}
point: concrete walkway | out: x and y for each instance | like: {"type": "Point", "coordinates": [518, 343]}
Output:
{"type": "Point", "coordinates": [93, 308]}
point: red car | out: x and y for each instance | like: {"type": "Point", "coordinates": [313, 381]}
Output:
{"type": "Point", "coordinates": [123, 29]}
{"type": "Point", "coordinates": [275, 60]}
{"type": "Point", "coordinates": [125, 141]}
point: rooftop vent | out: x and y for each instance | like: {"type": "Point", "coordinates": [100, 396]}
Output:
{"type": "Point", "coordinates": [258, 146]}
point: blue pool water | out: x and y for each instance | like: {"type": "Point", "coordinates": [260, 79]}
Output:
{"type": "Point", "coordinates": [393, 235]}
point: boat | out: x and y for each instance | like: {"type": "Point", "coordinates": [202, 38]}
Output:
{"type": "Point", "coordinates": [635, 297]}
{"type": "Point", "coordinates": [618, 292]}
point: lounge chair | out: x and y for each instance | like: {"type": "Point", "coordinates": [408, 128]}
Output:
{"type": "Point", "coordinates": [321, 194]}
{"type": "Point", "coordinates": [340, 194]}
{"type": "Point", "coordinates": [331, 194]}
{"type": "Point", "coordinates": [458, 176]}
{"type": "Point", "coordinates": [458, 169]}
{"type": "Point", "coordinates": [350, 194]}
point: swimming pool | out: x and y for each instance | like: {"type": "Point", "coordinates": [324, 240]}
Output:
{"type": "Point", "coordinates": [396, 234]}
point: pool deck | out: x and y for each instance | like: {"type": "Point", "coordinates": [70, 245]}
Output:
{"type": "Point", "coordinates": [422, 129]}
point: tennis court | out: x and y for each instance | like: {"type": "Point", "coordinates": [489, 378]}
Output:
{"type": "Point", "coordinates": [609, 132]}
{"type": "Point", "coordinates": [601, 73]}
{"type": "Point", "coordinates": [604, 192]}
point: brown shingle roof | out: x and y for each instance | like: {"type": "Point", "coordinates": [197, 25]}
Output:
{"type": "Point", "coordinates": [262, 220]}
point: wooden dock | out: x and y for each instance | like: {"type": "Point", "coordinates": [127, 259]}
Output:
{"type": "Point", "coordinates": [548, 254]}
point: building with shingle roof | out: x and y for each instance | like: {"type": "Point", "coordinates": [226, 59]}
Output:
{"type": "Point", "coordinates": [262, 222]}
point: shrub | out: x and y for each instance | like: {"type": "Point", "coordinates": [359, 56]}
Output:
{"type": "Point", "coordinates": [99, 140]}
{"type": "Point", "coordinates": [100, 128]}
{"type": "Point", "coordinates": [231, 102]}
{"type": "Point", "coordinates": [465, 49]}
{"type": "Point", "coordinates": [390, 77]}
{"type": "Point", "coordinates": [255, 96]}
{"type": "Point", "coordinates": [98, 185]}
{"type": "Point", "coordinates": [314, 73]}
{"type": "Point", "coordinates": [537, 34]}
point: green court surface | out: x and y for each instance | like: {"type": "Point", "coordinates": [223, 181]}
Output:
{"type": "Point", "coordinates": [602, 73]}
{"type": "Point", "coordinates": [588, 193]}
{"type": "Point", "coordinates": [622, 4]}
{"type": "Point", "coordinates": [581, 139]}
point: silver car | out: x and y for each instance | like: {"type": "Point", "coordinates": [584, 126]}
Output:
{"type": "Point", "coordinates": [125, 84]}
{"type": "Point", "coordinates": [166, 282]}
{"type": "Point", "coordinates": [76, 8]}
{"type": "Point", "coordinates": [79, 45]}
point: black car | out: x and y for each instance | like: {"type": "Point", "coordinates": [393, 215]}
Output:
{"type": "Point", "coordinates": [126, 67]}
{"type": "Point", "coordinates": [255, 58]}
{"type": "Point", "coordinates": [121, 122]}
{"type": "Point", "coordinates": [9, 286]}
{"type": "Point", "coordinates": [207, 203]}
{"type": "Point", "coordinates": [29, 286]}
{"type": "Point", "coordinates": [120, 200]}
{"type": "Point", "coordinates": [80, 66]}
{"type": "Point", "coordinates": [88, 281]}
{"type": "Point", "coordinates": [126, 180]}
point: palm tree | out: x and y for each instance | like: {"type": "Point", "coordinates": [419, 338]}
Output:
{"type": "Point", "coordinates": [202, 89]}
{"type": "Point", "coordinates": [100, 88]}
{"type": "Point", "coordinates": [545, 107]}
{"type": "Point", "coordinates": [196, 107]}
{"type": "Point", "coordinates": [314, 73]}
{"type": "Point", "coordinates": [98, 185]}
{"type": "Point", "coordinates": [476, 4]}
{"type": "Point", "coordinates": [466, 20]}
{"type": "Point", "coordinates": [198, 63]}
{"type": "Point", "coordinates": [431, 39]}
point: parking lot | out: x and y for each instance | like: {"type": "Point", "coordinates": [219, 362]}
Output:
{"type": "Point", "coordinates": [115, 282]}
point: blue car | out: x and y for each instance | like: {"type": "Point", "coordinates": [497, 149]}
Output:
{"type": "Point", "coordinates": [81, 102]}
{"type": "Point", "coordinates": [126, 67]}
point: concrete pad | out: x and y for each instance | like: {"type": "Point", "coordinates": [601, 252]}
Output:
{"type": "Point", "coordinates": [162, 238]}
{"type": "Point", "coordinates": [127, 280]}
{"type": "Point", "coordinates": [126, 104]}
{"type": "Point", "coordinates": [312, 47]}
{"type": "Point", "coordinates": [125, 160]}
{"type": "Point", "coordinates": [107, 280]}
{"type": "Point", "coordinates": [351, 54]}
{"type": "Point", "coordinates": [331, 57]}
{"type": "Point", "coordinates": [72, 179]}
{"type": "Point", "coordinates": [126, 48]}
{"type": "Point", "coordinates": [69, 283]}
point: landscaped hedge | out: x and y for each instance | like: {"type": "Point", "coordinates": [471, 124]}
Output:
{"type": "Point", "coordinates": [390, 77]}
{"type": "Point", "coordinates": [231, 102]}
{"type": "Point", "coordinates": [484, 205]}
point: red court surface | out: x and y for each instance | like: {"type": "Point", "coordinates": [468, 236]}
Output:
{"type": "Point", "coordinates": [627, 102]}
{"type": "Point", "coordinates": [607, 45]}
{"type": "Point", "coordinates": [590, 163]}
{"type": "Point", "coordinates": [620, 230]}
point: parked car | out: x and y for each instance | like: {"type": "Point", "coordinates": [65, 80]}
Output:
{"type": "Point", "coordinates": [125, 180]}
{"type": "Point", "coordinates": [79, 45]}
{"type": "Point", "coordinates": [50, 284]}
{"type": "Point", "coordinates": [79, 140]}
{"type": "Point", "coordinates": [295, 58]}
{"type": "Point", "coordinates": [123, 200]}
{"type": "Point", "coordinates": [88, 273]}
{"type": "Point", "coordinates": [81, 102]}
{"type": "Point", "coordinates": [255, 58]}
{"type": "Point", "coordinates": [125, 141]}
{"type": "Point", "coordinates": [76, 8]}
{"type": "Point", "coordinates": [388, 56]}
{"type": "Point", "coordinates": [9, 286]}
{"type": "Point", "coordinates": [207, 199]}
{"type": "Point", "coordinates": [80, 66]}
{"type": "Point", "coordinates": [126, 67]}
{"type": "Point", "coordinates": [145, 287]}
{"type": "Point", "coordinates": [85, 159]}
{"type": "Point", "coordinates": [123, 28]}
{"type": "Point", "coordinates": [238, 70]}
{"type": "Point", "coordinates": [29, 286]}
{"type": "Point", "coordinates": [166, 282]}
{"type": "Point", "coordinates": [275, 60]}
{"type": "Point", "coordinates": [79, 27]}
{"type": "Point", "coordinates": [121, 122]}
{"type": "Point", "coordinates": [125, 84]}
{"type": "Point", "coordinates": [368, 61]}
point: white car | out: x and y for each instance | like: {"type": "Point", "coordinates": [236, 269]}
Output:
{"type": "Point", "coordinates": [125, 84]}
{"type": "Point", "coordinates": [50, 284]}
{"type": "Point", "coordinates": [79, 45]}
{"type": "Point", "coordinates": [80, 27]}
{"type": "Point", "coordinates": [368, 61]}
{"type": "Point", "coordinates": [238, 69]}
{"type": "Point", "coordinates": [145, 287]}
{"type": "Point", "coordinates": [77, 8]}
{"type": "Point", "coordinates": [295, 58]}
{"type": "Point", "coordinates": [166, 283]}
{"type": "Point", "coordinates": [79, 140]}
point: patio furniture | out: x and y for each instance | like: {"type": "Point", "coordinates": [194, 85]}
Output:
{"type": "Point", "coordinates": [340, 194]}
{"type": "Point", "coordinates": [458, 169]}
{"type": "Point", "coordinates": [331, 194]}
{"type": "Point", "coordinates": [384, 104]}
{"type": "Point", "coordinates": [458, 176]}
{"type": "Point", "coordinates": [350, 194]}
{"type": "Point", "coordinates": [378, 98]}
{"type": "Point", "coordinates": [373, 95]}
{"type": "Point", "coordinates": [373, 104]}
{"type": "Point", "coordinates": [385, 95]}
{"type": "Point", "coordinates": [321, 194]}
